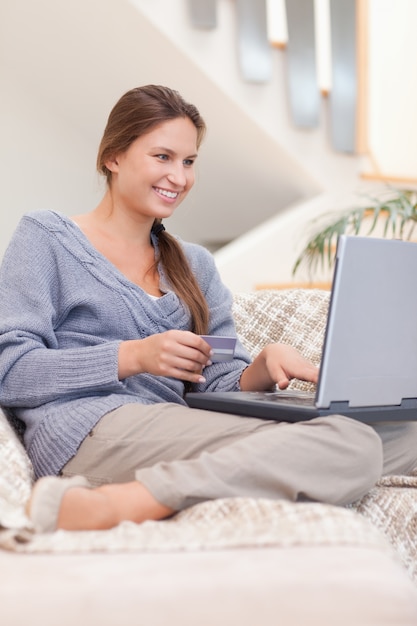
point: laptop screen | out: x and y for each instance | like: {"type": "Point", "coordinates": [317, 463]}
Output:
{"type": "Point", "coordinates": [370, 346]}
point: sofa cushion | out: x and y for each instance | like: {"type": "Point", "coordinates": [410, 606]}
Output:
{"type": "Point", "coordinates": [295, 586]}
{"type": "Point", "coordinates": [293, 316]}
{"type": "Point", "coordinates": [221, 524]}
{"type": "Point", "coordinates": [16, 477]}
{"type": "Point", "coordinates": [386, 523]}
{"type": "Point", "coordinates": [391, 507]}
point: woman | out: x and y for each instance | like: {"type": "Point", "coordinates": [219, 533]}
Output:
{"type": "Point", "coordinates": [101, 317]}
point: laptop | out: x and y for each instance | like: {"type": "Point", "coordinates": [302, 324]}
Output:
{"type": "Point", "coordinates": [368, 368]}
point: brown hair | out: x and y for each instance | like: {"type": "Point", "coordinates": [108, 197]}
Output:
{"type": "Point", "coordinates": [138, 112]}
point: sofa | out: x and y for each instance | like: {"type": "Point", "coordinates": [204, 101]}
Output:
{"type": "Point", "coordinates": [251, 562]}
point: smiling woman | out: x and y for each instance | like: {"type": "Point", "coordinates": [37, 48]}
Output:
{"type": "Point", "coordinates": [147, 183]}
{"type": "Point", "coordinates": [164, 158]}
{"type": "Point", "coordinates": [147, 154]}
{"type": "Point", "coordinates": [102, 325]}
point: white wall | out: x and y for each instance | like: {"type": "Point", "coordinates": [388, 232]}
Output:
{"type": "Point", "coordinates": [392, 109]}
{"type": "Point", "coordinates": [267, 254]}
{"type": "Point", "coordinates": [391, 89]}
{"type": "Point", "coordinates": [45, 162]}
{"type": "Point", "coordinates": [63, 65]}
{"type": "Point", "coordinates": [215, 53]}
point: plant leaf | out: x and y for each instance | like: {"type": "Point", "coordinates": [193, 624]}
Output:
{"type": "Point", "coordinates": [396, 211]}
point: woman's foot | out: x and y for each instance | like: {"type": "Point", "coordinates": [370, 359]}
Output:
{"type": "Point", "coordinates": [71, 504]}
{"type": "Point", "coordinates": [107, 506]}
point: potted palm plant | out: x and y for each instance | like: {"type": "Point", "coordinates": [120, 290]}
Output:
{"type": "Point", "coordinates": [394, 213]}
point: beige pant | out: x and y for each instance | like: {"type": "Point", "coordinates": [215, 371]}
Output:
{"type": "Point", "coordinates": [185, 456]}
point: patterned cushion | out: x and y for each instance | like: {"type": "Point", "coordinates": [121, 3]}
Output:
{"type": "Point", "coordinates": [16, 477]}
{"type": "Point", "coordinates": [220, 524]}
{"type": "Point", "coordinates": [293, 316]}
{"type": "Point", "coordinates": [391, 507]}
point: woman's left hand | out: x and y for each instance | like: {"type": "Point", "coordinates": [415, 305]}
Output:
{"type": "Point", "coordinates": [277, 364]}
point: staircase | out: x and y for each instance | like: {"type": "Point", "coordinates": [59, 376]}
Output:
{"type": "Point", "coordinates": [265, 222]}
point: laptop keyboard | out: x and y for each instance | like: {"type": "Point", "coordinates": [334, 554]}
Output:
{"type": "Point", "coordinates": [292, 396]}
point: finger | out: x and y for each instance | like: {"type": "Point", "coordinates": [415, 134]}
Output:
{"type": "Point", "coordinates": [182, 356]}
{"type": "Point", "coordinates": [201, 345]}
{"type": "Point", "coordinates": [192, 367]}
{"type": "Point", "coordinates": [283, 383]}
{"type": "Point", "coordinates": [189, 376]}
{"type": "Point", "coordinates": [281, 378]}
{"type": "Point", "coordinates": [195, 356]}
{"type": "Point", "coordinates": [311, 374]}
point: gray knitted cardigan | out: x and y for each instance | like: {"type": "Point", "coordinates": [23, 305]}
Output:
{"type": "Point", "coordinates": [64, 309]}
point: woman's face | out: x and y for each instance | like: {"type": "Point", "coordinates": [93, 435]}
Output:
{"type": "Point", "coordinates": [157, 171]}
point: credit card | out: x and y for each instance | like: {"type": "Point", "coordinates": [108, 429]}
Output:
{"type": "Point", "coordinates": [223, 347]}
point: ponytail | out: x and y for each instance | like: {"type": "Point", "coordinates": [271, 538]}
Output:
{"type": "Point", "coordinates": [182, 279]}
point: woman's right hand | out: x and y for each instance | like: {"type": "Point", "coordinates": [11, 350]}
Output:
{"type": "Point", "coordinates": [174, 353]}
